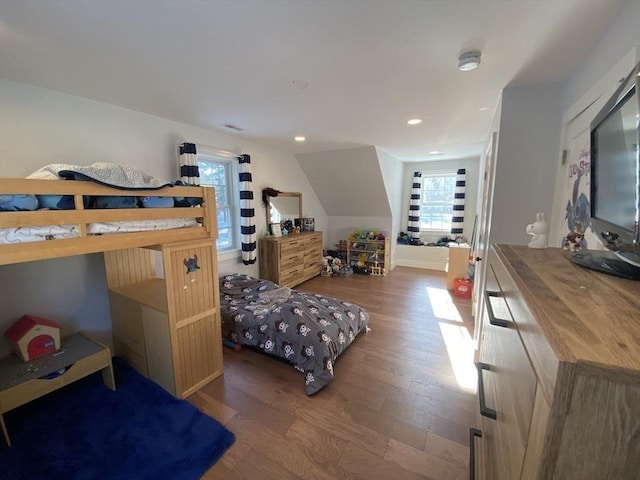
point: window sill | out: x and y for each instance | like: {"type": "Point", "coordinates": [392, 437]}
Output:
{"type": "Point", "coordinates": [225, 255]}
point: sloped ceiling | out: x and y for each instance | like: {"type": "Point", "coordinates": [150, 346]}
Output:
{"type": "Point", "coordinates": [347, 182]}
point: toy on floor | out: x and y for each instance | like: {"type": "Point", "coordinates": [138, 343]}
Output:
{"type": "Point", "coordinates": [233, 346]}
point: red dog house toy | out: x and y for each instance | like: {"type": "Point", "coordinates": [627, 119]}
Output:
{"type": "Point", "coordinates": [33, 337]}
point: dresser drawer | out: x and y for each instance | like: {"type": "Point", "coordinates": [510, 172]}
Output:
{"type": "Point", "coordinates": [312, 269]}
{"type": "Point", "coordinates": [291, 260]}
{"type": "Point", "coordinates": [292, 246]}
{"type": "Point", "coordinates": [510, 385]}
{"type": "Point", "coordinates": [291, 276]}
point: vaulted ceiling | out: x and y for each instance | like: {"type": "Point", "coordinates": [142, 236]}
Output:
{"type": "Point", "coordinates": [342, 73]}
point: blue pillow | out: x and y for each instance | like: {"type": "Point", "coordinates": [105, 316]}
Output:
{"type": "Point", "coordinates": [157, 202]}
{"type": "Point", "coordinates": [115, 202]}
{"type": "Point", "coordinates": [60, 202]}
{"type": "Point", "coordinates": [14, 203]}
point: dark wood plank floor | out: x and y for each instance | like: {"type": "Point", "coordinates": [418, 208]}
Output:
{"type": "Point", "coordinates": [400, 405]}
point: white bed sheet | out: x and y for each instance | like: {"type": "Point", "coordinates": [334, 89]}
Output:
{"type": "Point", "coordinates": [52, 232]}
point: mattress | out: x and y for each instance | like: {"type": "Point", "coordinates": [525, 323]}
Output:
{"type": "Point", "coordinates": [53, 232]}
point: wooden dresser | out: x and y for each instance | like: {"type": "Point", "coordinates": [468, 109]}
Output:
{"type": "Point", "coordinates": [559, 371]}
{"type": "Point", "coordinates": [291, 260]}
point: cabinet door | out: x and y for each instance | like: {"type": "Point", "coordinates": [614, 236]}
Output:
{"type": "Point", "coordinates": [200, 354]}
{"type": "Point", "coordinates": [194, 315]}
{"type": "Point", "coordinates": [190, 276]}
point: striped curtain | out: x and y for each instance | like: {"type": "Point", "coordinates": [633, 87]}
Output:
{"type": "Point", "coordinates": [189, 172]}
{"type": "Point", "coordinates": [247, 212]}
{"type": "Point", "coordinates": [413, 225]}
{"type": "Point", "coordinates": [457, 222]}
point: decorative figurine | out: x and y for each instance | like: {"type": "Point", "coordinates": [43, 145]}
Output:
{"type": "Point", "coordinates": [539, 229]}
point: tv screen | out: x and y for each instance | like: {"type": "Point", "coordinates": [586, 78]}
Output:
{"type": "Point", "coordinates": [615, 183]}
{"type": "Point", "coordinates": [614, 153]}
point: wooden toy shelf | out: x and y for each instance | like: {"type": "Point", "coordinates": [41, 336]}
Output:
{"type": "Point", "coordinates": [369, 247]}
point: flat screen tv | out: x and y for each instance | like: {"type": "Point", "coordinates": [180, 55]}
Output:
{"type": "Point", "coordinates": [615, 183]}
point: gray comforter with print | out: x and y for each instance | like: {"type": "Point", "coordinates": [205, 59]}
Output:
{"type": "Point", "coordinates": [308, 330]}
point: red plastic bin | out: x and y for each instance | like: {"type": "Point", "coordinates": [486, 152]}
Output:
{"type": "Point", "coordinates": [462, 287]}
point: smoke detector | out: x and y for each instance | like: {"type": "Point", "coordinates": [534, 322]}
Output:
{"type": "Point", "coordinates": [469, 60]}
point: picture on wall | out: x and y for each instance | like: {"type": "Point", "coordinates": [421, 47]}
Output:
{"type": "Point", "coordinates": [576, 217]}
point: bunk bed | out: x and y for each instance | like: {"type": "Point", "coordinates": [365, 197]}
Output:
{"type": "Point", "coordinates": [81, 230]}
{"type": "Point", "coordinates": [172, 310]}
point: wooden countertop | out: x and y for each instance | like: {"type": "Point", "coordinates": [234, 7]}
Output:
{"type": "Point", "coordinates": [587, 317]}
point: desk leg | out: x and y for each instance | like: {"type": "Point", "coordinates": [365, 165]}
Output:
{"type": "Point", "coordinates": [4, 430]}
{"type": "Point", "coordinates": [107, 377]}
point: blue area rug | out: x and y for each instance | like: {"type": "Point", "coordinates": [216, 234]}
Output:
{"type": "Point", "coordinates": [87, 431]}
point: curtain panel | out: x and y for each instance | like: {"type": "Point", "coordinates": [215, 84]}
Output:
{"type": "Point", "coordinates": [189, 172]}
{"type": "Point", "coordinates": [457, 220]}
{"type": "Point", "coordinates": [247, 211]}
{"type": "Point", "coordinates": [413, 224]}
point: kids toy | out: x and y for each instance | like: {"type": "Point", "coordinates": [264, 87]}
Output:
{"type": "Point", "coordinates": [33, 337]}
{"type": "Point", "coordinates": [573, 240]}
{"type": "Point", "coordinates": [336, 266]}
{"type": "Point", "coordinates": [232, 345]}
{"type": "Point", "coordinates": [539, 229]}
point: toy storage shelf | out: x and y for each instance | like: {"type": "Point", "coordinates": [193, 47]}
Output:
{"type": "Point", "coordinates": [368, 249]}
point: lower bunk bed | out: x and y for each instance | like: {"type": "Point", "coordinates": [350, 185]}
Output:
{"type": "Point", "coordinates": [308, 330]}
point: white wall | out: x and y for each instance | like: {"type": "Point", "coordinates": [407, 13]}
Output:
{"type": "Point", "coordinates": [351, 186]}
{"type": "Point", "coordinates": [587, 90]}
{"type": "Point", "coordinates": [528, 152]}
{"type": "Point", "coordinates": [392, 174]}
{"type": "Point", "coordinates": [40, 127]}
{"type": "Point", "coordinates": [348, 182]}
{"type": "Point", "coordinates": [622, 35]}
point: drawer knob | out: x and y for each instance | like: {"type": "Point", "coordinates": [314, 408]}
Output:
{"type": "Point", "coordinates": [498, 322]}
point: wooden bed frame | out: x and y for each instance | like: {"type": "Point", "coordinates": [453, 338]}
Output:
{"type": "Point", "coordinates": [29, 251]}
{"type": "Point", "coordinates": [175, 319]}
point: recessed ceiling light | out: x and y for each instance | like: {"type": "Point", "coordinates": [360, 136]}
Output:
{"type": "Point", "coordinates": [414, 121]}
{"type": "Point", "coordinates": [436, 152]}
{"type": "Point", "coordinates": [301, 83]}
{"type": "Point", "coordinates": [469, 60]}
{"type": "Point", "coordinates": [299, 138]}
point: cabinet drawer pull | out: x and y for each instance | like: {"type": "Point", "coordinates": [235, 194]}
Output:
{"type": "Point", "coordinates": [498, 322]}
{"type": "Point", "coordinates": [484, 410]}
{"type": "Point", "coordinates": [473, 433]}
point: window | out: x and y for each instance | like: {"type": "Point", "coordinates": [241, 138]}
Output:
{"type": "Point", "coordinates": [218, 171]}
{"type": "Point", "coordinates": [436, 201]}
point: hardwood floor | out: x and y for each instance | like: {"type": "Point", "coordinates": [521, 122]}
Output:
{"type": "Point", "coordinates": [400, 405]}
